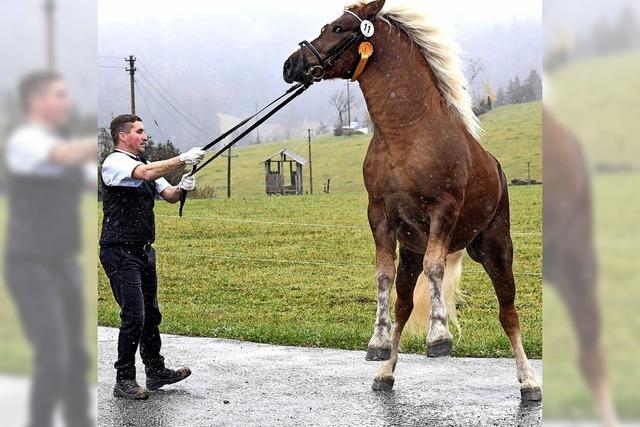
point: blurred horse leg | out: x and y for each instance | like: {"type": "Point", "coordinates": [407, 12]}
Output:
{"type": "Point", "coordinates": [409, 268]}
{"type": "Point", "coordinates": [494, 249]}
{"type": "Point", "coordinates": [571, 268]}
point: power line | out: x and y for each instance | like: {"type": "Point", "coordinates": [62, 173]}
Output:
{"type": "Point", "coordinates": [169, 113]}
{"type": "Point", "coordinates": [111, 66]}
{"type": "Point", "coordinates": [146, 69]}
{"type": "Point", "coordinates": [144, 99]}
{"type": "Point", "coordinates": [183, 115]}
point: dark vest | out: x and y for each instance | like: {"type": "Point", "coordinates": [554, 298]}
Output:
{"type": "Point", "coordinates": [128, 214]}
{"type": "Point", "coordinates": [44, 219]}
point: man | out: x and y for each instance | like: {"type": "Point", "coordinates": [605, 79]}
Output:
{"type": "Point", "coordinates": [128, 230]}
{"type": "Point", "coordinates": [45, 180]}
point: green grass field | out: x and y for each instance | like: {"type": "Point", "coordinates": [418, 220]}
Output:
{"type": "Point", "coordinates": [299, 270]}
{"type": "Point", "coordinates": [512, 135]}
{"type": "Point", "coordinates": [597, 99]}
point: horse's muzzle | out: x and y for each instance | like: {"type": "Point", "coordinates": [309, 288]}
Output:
{"type": "Point", "coordinates": [293, 69]}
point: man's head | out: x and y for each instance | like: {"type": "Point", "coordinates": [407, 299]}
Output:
{"type": "Point", "coordinates": [128, 134]}
{"type": "Point", "coordinates": [44, 98]}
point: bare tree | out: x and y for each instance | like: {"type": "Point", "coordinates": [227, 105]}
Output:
{"type": "Point", "coordinates": [474, 69]}
{"type": "Point", "coordinates": [341, 102]}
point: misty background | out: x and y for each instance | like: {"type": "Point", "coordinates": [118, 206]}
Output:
{"type": "Point", "coordinates": [203, 66]}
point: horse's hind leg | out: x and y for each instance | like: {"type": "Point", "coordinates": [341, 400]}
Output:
{"type": "Point", "coordinates": [379, 347]}
{"type": "Point", "coordinates": [494, 249]}
{"type": "Point", "coordinates": [409, 268]}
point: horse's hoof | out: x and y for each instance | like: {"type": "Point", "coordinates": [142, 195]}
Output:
{"type": "Point", "coordinates": [374, 353]}
{"type": "Point", "coordinates": [382, 384]}
{"type": "Point", "coordinates": [439, 348]}
{"type": "Point", "coordinates": [531, 394]}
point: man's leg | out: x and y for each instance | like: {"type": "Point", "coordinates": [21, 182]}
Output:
{"type": "Point", "coordinates": [157, 374]}
{"type": "Point", "coordinates": [42, 319]}
{"type": "Point", "coordinates": [150, 342]}
{"type": "Point", "coordinates": [75, 393]}
{"type": "Point", "coordinates": [123, 268]}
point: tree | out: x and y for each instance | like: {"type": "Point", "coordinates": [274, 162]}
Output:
{"type": "Point", "coordinates": [501, 99]}
{"type": "Point", "coordinates": [533, 86]}
{"type": "Point", "coordinates": [514, 91]}
{"type": "Point", "coordinates": [163, 151]}
{"type": "Point", "coordinates": [340, 102]}
{"type": "Point", "coordinates": [475, 68]}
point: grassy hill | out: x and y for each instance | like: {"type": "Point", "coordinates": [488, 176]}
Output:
{"type": "Point", "coordinates": [512, 135]}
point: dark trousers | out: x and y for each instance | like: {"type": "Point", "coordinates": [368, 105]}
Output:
{"type": "Point", "coordinates": [132, 273]}
{"type": "Point", "coordinates": [48, 296]}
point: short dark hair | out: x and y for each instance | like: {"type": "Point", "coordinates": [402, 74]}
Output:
{"type": "Point", "coordinates": [34, 84]}
{"type": "Point", "coordinates": [122, 123]}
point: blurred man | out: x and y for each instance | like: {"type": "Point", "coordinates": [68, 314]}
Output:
{"type": "Point", "coordinates": [131, 185]}
{"type": "Point", "coordinates": [45, 182]}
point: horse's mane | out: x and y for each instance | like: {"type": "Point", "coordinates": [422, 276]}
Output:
{"type": "Point", "coordinates": [443, 56]}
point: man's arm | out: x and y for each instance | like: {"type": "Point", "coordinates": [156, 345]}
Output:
{"type": "Point", "coordinates": [75, 152]}
{"type": "Point", "coordinates": [172, 194]}
{"type": "Point", "coordinates": [154, 170]}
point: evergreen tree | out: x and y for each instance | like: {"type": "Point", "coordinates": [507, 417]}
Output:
{"type": "Point", "coordinates": [500, 97]}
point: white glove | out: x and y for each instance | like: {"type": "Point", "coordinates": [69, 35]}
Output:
{"type": "Point", "coordinates": [193, 156]}
{"type": "Point", "coordinates": [187, 183]}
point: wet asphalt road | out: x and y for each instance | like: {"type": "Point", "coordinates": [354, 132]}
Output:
{"type": "Point", "coordinates": [240, 383]}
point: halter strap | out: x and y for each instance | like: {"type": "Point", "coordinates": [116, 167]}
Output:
{"type": "Point", "coordinates": [352, 13]}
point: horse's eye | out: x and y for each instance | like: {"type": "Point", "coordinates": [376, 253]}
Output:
{"type": "Point", "coordinates": [338, 29]}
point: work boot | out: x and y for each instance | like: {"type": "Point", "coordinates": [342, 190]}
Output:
{"type": "Point", "coordinates": [129, 389]}
{"type": "Point", "coordinates": [157, 378]}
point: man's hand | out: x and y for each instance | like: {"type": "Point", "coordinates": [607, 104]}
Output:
{"type": "Point", "coordinates": [187, 183]}
{"type": "Point", "coordinates": [193, 156]}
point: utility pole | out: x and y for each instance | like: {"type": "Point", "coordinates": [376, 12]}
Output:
{"type": "Point", "coordinates": [132, 73]}
{"type": "Point", "coordinates": [229, 156]}
{"type": "Point", "coordinates": [257, 129]}
{"type": "Point", "coordinates": [49, 9]}
{"type": "Point", "coordinates": [348, 109]}
{"type": "Point", "coordinates": [310, 165]}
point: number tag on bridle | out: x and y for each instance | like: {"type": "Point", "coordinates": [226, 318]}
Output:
{"type": "Point", "coordinates": [366, 27]}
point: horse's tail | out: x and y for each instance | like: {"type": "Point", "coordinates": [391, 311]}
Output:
{"type": "Point", "coordinates": [418, 322]}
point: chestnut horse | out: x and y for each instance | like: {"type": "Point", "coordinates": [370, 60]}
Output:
{"type": "Point", "coordinates": [432, 188]}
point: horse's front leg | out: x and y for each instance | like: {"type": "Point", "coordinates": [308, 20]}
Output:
{"type": "Point", "coordinates": [443, 219]}
{"type": "Point", "coordinates": [379, 347]}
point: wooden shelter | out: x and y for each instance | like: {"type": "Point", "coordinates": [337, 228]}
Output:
{"type": "Point", "coordinates": [275, 168]}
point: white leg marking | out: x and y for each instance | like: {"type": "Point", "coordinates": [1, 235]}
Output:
{"type": "Point", "coordinates": [381, 331]}
{"type": "Point", "coordinates": [439, 322]}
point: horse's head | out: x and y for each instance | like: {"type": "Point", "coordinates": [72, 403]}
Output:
{"type": "Point", "coordinates": [336, 52]}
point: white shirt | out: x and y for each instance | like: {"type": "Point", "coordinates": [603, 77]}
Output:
{"type": "Point", "coordinates": [118, 167]}
{"type": "Point", "coordinates": [28, 152]}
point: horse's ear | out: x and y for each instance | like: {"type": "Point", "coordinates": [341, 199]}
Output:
{"type": "Point", "coordinates": [371, 9]}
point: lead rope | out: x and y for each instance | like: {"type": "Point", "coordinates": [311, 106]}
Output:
{"type": "Point", "coordinates": [298, 88]}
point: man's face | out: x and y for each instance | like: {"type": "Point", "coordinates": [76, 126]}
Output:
{"type": "Point", "coordinates": [51, 104]}
{"type": "Point", "coordinates": [135, 140]}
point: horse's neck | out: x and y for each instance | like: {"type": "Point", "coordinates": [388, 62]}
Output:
{"type": "Point", "coordinates": [399, 83]}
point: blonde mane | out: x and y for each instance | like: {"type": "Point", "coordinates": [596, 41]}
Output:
{"type": "Point", "coordinates": [443, 56]}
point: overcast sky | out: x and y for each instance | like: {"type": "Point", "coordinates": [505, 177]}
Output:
{"type": "Point", "coordinates": [224, 56]}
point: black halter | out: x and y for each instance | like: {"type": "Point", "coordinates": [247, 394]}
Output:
{"type": "Point", "coordinates": [316, 73]}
